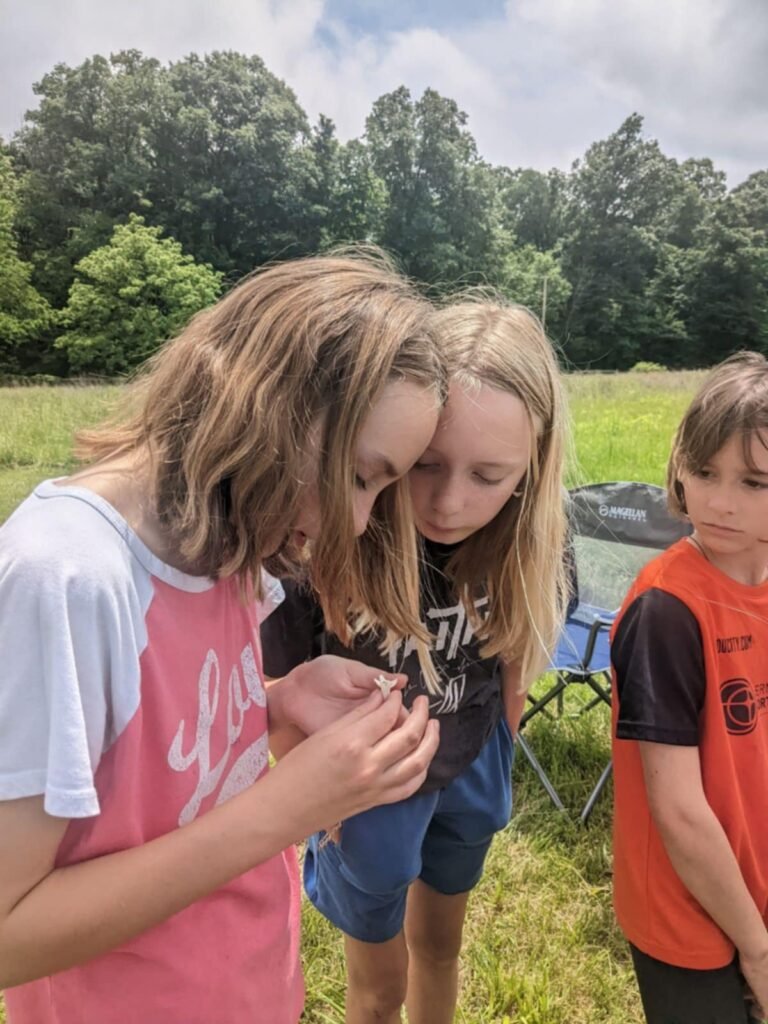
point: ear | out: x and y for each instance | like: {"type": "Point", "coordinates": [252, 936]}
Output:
{"type": "Point", "coordinates": [680, 495]}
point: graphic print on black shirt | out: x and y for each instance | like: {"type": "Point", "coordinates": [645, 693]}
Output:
{"type": "Point", "coordinates": [469, 707]}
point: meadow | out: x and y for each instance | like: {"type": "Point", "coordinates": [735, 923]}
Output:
{"type": "Point", "coordinates": [541, 946]}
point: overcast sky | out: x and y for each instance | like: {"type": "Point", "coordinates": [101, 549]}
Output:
{"type": "Point", "coordinates": [539, 79]}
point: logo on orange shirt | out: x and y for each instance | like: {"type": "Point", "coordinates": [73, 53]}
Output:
{"type": "Point", "coordinates": [740, 706]}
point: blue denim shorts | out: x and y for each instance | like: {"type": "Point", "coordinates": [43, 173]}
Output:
{"type": "Point", "coordinates": [361, 883]}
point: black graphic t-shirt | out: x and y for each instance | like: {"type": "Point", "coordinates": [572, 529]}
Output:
{"type": "Point", "coordinates": [658, 658]}
{"type": "Point", "coordinates": [470, 705]}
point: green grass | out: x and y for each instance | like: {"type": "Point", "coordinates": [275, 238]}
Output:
{"type": "Point", "coordinates": [36, 428]}
{"type": "Point", "coordinates": [541, 946]}
{"type": "Point", "coordinates": [623, 424]}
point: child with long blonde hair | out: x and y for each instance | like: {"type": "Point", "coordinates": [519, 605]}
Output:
{"type": "Point", "coordinates": [487, 496]}
{"type": "Point", "coordinates": [145, 863]}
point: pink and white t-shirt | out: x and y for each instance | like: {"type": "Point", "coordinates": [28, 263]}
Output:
{"type": "Point", "coordinates": [132, 699]}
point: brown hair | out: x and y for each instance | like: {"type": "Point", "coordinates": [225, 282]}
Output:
{"type": "Point", "coordinates": [517, 559]}
{"type": "Point", "coordinates": [732, 400]}
{"type": "Point", "coordinates": [227, 410]}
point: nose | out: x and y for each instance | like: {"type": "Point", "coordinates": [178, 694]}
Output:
{"type": "Point", "coordinates": [721, 499]}
{"type": "Point", "coordinates": [362, 513]}
{"type": "Point", "coordinates": [447, 497]}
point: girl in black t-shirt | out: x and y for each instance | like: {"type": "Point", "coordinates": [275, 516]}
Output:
{"type": "Point", "coordinates": [488, 505]}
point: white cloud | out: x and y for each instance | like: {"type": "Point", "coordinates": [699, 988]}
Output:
{"type": "Point", "coordinates": [539, 84]}
{"type": "Point", "coordinates": [697, 69]}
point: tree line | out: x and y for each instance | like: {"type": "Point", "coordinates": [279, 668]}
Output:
{"type": "Point", "coordinates": [135, 192]}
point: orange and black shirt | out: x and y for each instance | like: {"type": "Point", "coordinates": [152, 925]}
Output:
{"type": "Point", "coordinates": [690, 667]}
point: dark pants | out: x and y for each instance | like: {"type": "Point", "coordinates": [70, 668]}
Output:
{"type": "Point", "coordinates": [680, 995]}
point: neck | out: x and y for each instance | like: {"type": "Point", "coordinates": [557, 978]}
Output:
{"type": "Point", "coordinates": [125, 482]}
{"type": "Point", "coordinates": [749, 568]}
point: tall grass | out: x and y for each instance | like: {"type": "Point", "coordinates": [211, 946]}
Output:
{"type": "Point", "coordinates": [541, 946]}
{"type": "Point", "coordinates": [36, 428]}
{"type": "Point", "coordinates": [623, 424]}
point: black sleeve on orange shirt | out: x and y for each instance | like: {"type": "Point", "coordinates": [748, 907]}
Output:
{"type": "Point", "coordinates": [658, 658]}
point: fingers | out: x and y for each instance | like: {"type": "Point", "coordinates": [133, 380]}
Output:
{"type": "Point", "coordinates": [405, 777]}
{"type": "Point", "coordinates": [405, 738]}
{"type": "Point", "coordinates": [372, 719]}
{"type": "Point", "coordinates": [352, 718]}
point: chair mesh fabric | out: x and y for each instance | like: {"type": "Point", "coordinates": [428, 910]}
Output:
{"type": "Point", "coordinates": [615, 528]}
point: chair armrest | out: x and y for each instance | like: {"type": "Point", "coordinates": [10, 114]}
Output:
{"type": "Point", "coordinates": [599, 625]}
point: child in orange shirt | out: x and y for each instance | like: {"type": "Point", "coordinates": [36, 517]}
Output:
{"type": "Point", "coordinates": [690, 660]}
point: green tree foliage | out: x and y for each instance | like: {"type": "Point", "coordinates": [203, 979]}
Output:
{"type": "Point", "coordinates": [129, 296]}
{"type": "Point", "coordinates": [87, 151]}
{"type": "Point", "coordinates": [345, 200]}
{"type": "Point", "coordinates": [441, 213]}
{"type": "Point", "coordinates": [231, 172]}
{"type": "Point", "coordinates": [726, 292]}
{"type": "Point", "coordinates": [535, 279]}
{"type": "Point", "coordinates": [533, 205]}
{"type": "Point", "coordinates": [626, 202]}
{"type": "Point", "coordinates": [637, 256]}
{"type": "Point", "coordinates": [212, 149]}
{"type": "Point", "coordinates": [25, 317]}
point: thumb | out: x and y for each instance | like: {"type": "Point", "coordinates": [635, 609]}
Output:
{"type": "Point", "coordinates": [373, 701]}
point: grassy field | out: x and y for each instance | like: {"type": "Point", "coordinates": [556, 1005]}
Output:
{"type": "Point", "coordinates": [36, 427]}
{"type": "Point", "coordinates": [541, 946]}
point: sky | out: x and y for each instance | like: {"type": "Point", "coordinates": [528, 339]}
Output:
{"type": "Point", "coordinates": [539, 79]}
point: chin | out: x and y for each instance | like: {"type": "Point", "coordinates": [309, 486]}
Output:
{"type": "Point", "coordinates": [451, 536]}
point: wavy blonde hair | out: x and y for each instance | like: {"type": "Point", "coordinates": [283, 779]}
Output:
{"type": "Point", "coordinates": [228, 409]}
{"type": "Point", "coordinates": [732, 400]}
{"type": "Point", "coordinates": [517, 559]}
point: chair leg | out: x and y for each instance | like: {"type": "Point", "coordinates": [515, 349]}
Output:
{"type": "Point", "coordinates": [544, 711]}
{"type": "Point", "coordinates": [543, 777]}
{"type": "Point", "coordinates": [592, 704]}
{"type": "Point", "coordinates": [594, 795]}
{"type": "Point", "coordinates": [601, 693]}
{"type": "Point", "coordinates": [540, 704]}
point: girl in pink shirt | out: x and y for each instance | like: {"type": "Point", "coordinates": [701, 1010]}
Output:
{"type": "Point", "coordinates": [146, 868]}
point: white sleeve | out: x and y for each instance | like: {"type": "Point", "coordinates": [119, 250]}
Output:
{"type": "Point", "coordinates": [67, 635]}
{"type": "Point", "coordinates": [274, 595]}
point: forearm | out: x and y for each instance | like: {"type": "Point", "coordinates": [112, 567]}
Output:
{"type": "Point", "coordinates": [283, 734]}
{"type": "Point", "coordinates": [79, 912]}
{"type": "Point", "coordinates": [704, 860]}
{"type": "Point", "coordinates": [514, 699]}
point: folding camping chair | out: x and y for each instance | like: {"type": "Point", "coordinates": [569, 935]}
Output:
{"type": "Point", "coordinates": [615, 528]}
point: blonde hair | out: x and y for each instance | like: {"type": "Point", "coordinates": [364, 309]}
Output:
{"type": "Point", "coordinates": [517, 559]}
{"type": "Point", "coordinates": [732, 400]}
{"type": "Point", "coordinates": [228, 409]}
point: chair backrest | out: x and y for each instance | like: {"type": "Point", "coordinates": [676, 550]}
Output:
{"type": "Point", "coordinates": [616, 528]}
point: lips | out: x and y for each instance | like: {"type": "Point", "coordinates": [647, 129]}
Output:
{"type": "Point", "coordinates": [441, 529]}
{"type": "Point", "coordinates": [720, 529]}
